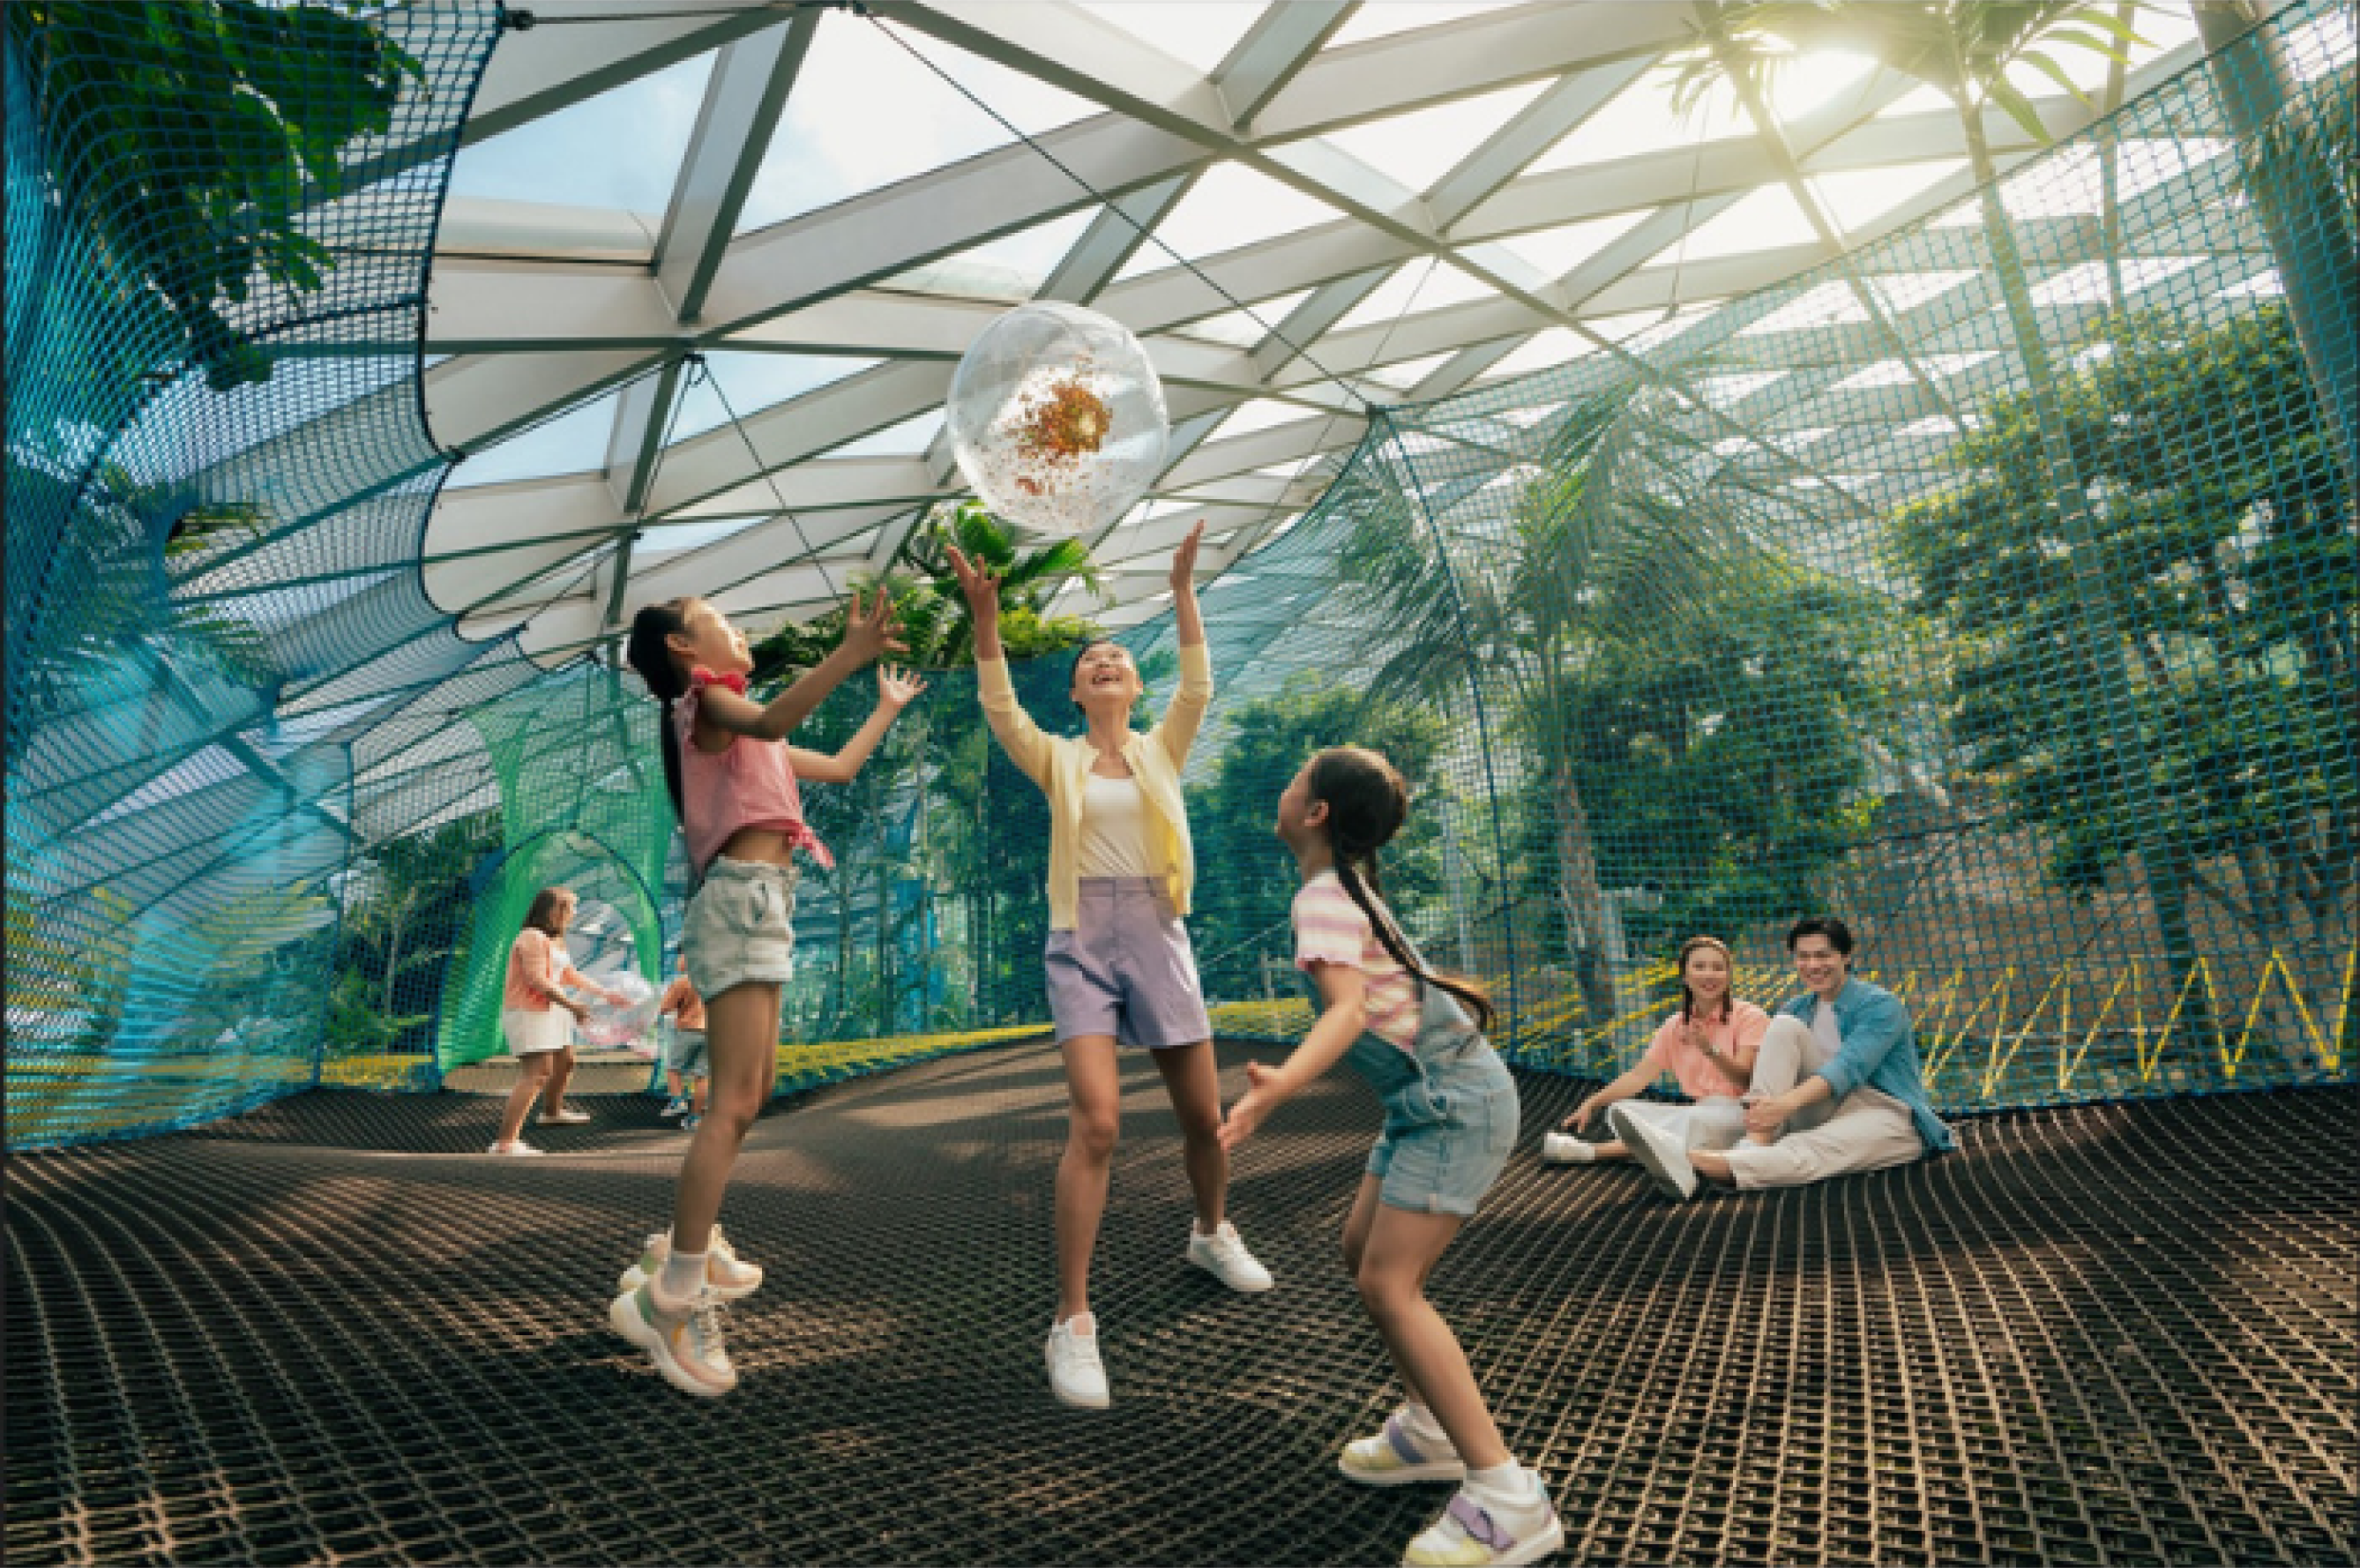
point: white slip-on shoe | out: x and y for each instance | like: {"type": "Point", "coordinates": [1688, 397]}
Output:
{"type": "Point", "coordinates": [1224, 1255]}
{"type": "Point", "coordinates": [1661, 1155]}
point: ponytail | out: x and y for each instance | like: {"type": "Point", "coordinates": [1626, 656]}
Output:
{"type": "Point", "coordinates": [1367, 801]}
{"type": "Point", "coordinates": [649, 653]}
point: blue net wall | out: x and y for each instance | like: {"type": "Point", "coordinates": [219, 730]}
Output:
{"type": "Point", "coordinates": [218, 475]}
{"type": "Point", "coordinates": [1993, 588]}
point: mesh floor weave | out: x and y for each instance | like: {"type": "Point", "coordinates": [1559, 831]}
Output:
{"type": "Point", "coordinates": [332, 1331]}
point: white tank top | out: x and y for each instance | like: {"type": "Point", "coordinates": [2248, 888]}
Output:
{"type": "Point", "coordinates": [1114, 829]}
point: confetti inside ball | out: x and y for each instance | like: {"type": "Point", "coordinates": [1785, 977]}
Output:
{"type": "Point", "coordinates": [625, 1025]}
{"type": "Point", "coordinates": [1057, 419]}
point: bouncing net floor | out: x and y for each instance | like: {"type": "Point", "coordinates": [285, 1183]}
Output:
{"type": "Point", "coordinates": [332, 1331]}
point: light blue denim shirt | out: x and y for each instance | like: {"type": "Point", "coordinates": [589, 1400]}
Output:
{"type": "Point", "coordinates": [1879, 1049]}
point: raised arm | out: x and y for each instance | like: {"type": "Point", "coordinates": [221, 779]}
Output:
{"type": "Point", "coordinates": [1178, 732]}
{"type": "Point", "coordinates": [1344, 1013]}
{"type": "Point", "coordinates": [1017, 733]}
{"type": "Point", "coordinates": [896, 688]}
{"type": "Point", "coordinates": [868, 635]}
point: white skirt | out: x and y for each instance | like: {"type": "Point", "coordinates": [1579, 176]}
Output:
{"type": "Point", "coordinates": [532, 1030]}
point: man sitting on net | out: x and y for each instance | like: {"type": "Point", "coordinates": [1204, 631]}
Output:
{"type": "Point", "coordinates": [1836, 1087]}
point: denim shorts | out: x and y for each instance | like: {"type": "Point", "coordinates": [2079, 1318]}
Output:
{"type": "Point", "coordinates": [740, 927]}
{"type": "Point", "coordinates": [1126, 968]}
{"type": "Point", "coordinates": [1450, 1124]}
{"type": "Point", "coordinates": [688, 1056]}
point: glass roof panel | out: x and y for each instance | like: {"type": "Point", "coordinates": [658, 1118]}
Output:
{"type": "Point", "coordinates": [1641, 119]}
{"type": "Point", "coordinates": [1762, 220]}
{"type": "Point", "coordinates": [1416, 287]}
{"type": "Point", "coordinates": [1230, 205]}
{"type": "Point", "coordinates": [1243, 329]}
{"type": "Point", "coordinates": [1811, 81]}
{"type": "Point", "coordinates": [1382, 18]}
{"type": "Point", "coordinates": [1857, 197]}
{"type": "Point", "coordinates": [574, 442]}
{"type": "Point", "coordinates": [864, 114]}
{"type": "Point", "coordinates": [1559, 250]}
{"type": "Point", "coordinates": [1200, 32]}
{"type": "Point", "coordinates": [1407, 372]}
{"type": "Point", "coordinates": [755, 381]}
{"type": "Point", "coordinates": [619, 150]}
{"type": "Point", "coordinates": [1421, 146]}
{"type": "Point", "coordinates": [1556, 345]}
{"type": "Point", "coordinates": [1010, 268]}
{"type": "Point", "coordinates": [911, 438]}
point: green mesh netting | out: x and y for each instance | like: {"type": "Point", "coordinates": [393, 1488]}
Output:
{"type": "Point", "coordinates": [1994, 588]}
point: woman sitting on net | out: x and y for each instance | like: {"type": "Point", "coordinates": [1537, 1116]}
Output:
{"type": "Point", "coordinates": [1707, 1047]}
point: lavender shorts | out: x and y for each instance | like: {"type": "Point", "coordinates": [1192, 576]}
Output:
{"type": "Point", "coordinates": [1126, 968]}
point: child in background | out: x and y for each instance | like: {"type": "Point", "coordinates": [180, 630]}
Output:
{"type": "Point", "coordinates": [1450, 1120]}
{"type": "Point", "coordinates": [536, 1018]}
{"type": "Point", "coordinates": [733, 785]}
{"type": "Point", "coordinates": [687, 1067]}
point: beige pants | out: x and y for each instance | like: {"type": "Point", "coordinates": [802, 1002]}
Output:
{"type": "Point", "coordinates": [1868, 1129]}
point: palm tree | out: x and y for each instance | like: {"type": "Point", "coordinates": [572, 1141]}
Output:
{"type": "Point", "coordinates": [1628, 519]}
{"type": "Point", "coordinates": [1964, 49]}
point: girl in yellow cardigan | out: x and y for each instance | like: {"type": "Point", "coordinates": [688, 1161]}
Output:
{"type": "Point", "coordinates": [1120, 967]}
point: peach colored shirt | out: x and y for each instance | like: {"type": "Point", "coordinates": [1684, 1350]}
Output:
{"type": "Point", "coordinates": [1737, 1037]}
{"type": "Point", "coordinates": [536, 965]}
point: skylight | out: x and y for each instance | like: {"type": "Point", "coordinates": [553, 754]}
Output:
{"type": "Point", "coordinates": [1230, 205]}
{"type": "Point", "coordinates": [1559, 250]}
{"type": "Point", "coordinates": [1244, 328]}
{"type": "Point", "coordinates": [1383, 18]}
{"type": "Point", "coordinates": [2092, 282]}
{"type": "Point", "coordinates": [863, 114]}
{"type": "Point", "coordinates": [1641, 119]}
{"type": "Point", "coordinates": [619, 150]}
{"type": "Point", "coordinates": [1416, 287]}
{"type": "Point", "coordinates": [1419, 148]}
{"type": "Point", "coordinates": [1199, 32]}
{"type": "Point", "coordinates": [755, 381]}
{"type": "Point", "coordinates": [574, 442]}
{"type": "Point", "coordinates": [1765, 218]}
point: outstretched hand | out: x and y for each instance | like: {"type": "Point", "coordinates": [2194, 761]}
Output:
{"type": "Point", "coordinates": [875, 632]}
{"type": "Point", "coordinates": [897, 688]}
{"type": "Point", "coordinates": [981, 588]}
{"type": "Point", "coordinates": [1184, 560]}
{"type": "Point", "coordinates": [1265, 1089]}
{"type": "Point", "coordinates": [1583, 1114]}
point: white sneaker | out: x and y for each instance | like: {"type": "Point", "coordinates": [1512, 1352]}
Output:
{"type": "Point", "coordinates": [519, 1146]}
{"type": "Point", "coordinates": [1564, 1149]}
{"type": "Point", "coordinates": [1076, 1376]}
{"type": "Point", "coordinates": [1224, 1255]}
{"type": "Point", "coordinates": [730, 1276]}
{"type": "Point", "coordinates": [685, 1342]}
{"type": "Point", "coordinates": [677, 1108]}
{"type": "Point", "coordinates": [1663, 1157]}
{"type": "Point", "coordinates": [1484, 1532]}
{"type": "Point", "coordinates": [1398, 1456]}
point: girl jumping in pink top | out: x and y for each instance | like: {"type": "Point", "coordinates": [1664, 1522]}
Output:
{"type": "Point", "coordinates": [733, 784]}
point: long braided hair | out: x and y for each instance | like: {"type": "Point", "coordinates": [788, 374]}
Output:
{"type": "Point", "coordinates": [1687, 997]}
{"type": "Point", "coordinates": [649, 653]}
{"type": "Point", "coordinates": [1368, 800]}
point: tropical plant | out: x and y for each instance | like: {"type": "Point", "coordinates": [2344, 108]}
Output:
{"type": "Point", "coordinates": [407, 908]}
{"type": "Point", "coordinates": [2241, 631]}
{"type": "Point", "coordinates": [1624, 518]}
{"type": "Point", "coordinates": [193, 133]}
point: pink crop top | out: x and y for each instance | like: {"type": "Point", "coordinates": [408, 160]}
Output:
{"type": "Point", "coordinates": [750, 784]}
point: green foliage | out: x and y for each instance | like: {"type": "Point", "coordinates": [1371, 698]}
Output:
{"type": "Point", "coordinates": [1246, 877]}
{"type": "Point", "coordinates": [2231, 549]}
{"type": "Point", "coordinates": [199, 131]}
{"type": "Point", "coordinates": [407, 912]}
{"type": "Point", "coordinates": [1721, 758]}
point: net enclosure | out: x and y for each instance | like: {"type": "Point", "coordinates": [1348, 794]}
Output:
{"type": "Point", "coordinates": [1992, 587]}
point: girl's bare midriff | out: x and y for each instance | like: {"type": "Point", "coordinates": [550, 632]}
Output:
{"type": "Point", "coordinates": [767, 845]}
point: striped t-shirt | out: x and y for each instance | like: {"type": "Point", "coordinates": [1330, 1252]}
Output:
{"type": "Point", "coordinates": [1330, 929]}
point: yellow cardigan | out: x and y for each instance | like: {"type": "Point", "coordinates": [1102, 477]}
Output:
{"type": "Point", "coordinates": [1061, 765]}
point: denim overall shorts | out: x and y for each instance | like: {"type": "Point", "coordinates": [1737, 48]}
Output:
{"type": "Point", "coordinates": [1451, 1112]}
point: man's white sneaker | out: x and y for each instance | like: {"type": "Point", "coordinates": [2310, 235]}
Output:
{"type": "Point", "coordinates": [1076, 1376]}
{"type": "Point", "coordinates": [1224, 1255]}
{"type": "Point", "coordinates": [1663, 1157]}
{"type": "Point", "coordinates": [1564, 1149]}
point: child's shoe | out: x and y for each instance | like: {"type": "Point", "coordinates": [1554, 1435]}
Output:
{"type": "Point", "coordinates": [677, 1106]}
{"type": "Point", "coordinates": [1399, 1455]}
{"type": "Point", "coordinates": [566, 1117]}
{"type": "Point", "coordinates": [730, 1277]}
{"type": "Point", "coordinates": [684, 1340]}
{"type": "Point", "coordinates": [1479, 1530]}
{"type": "Point", "coordinates": [519, 1146]}
{"type": "Point", "coordinates": [1564, 1149]}
{"type": "Point", "coordinates": [1076, 1376]}
{"type": "Point", "coordinates": [1223, 1255]}
{"type": "Point", "coordinates": [691, 1122]}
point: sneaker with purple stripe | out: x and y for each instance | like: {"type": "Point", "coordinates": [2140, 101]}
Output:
{"type": "Point", "coordinates": [1397, 1457]}
{"type": "Point", "coordinates": [1489, 1534]}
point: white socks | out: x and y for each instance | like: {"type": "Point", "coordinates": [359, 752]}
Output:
{"type": "Point", "coordinates": [683, 1274]}
{"type": "Point", "coordinates": [1422, 1429]}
